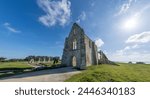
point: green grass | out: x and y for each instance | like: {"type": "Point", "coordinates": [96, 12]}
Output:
{"type": "Point", "coordinates": [14, 65]}
{"type": "Point", "coordinates": [13, 68]}
{"type": "Point", "coordinates": [111, 73]}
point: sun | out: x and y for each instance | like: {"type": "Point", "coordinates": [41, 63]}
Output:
{"type": "Point", "coordinates": [130, 23]}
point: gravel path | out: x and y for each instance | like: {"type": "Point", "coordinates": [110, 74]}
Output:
{"type": "Point", "coordinates": [53, 75]}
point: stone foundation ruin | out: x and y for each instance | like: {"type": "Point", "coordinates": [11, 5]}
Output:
{"type": "Point", "coordinates": [80, 51]}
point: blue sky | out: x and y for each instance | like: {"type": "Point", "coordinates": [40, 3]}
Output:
{"type": "Point", "coordinates": [121, 28]}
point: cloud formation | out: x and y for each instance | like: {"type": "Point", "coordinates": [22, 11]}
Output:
{"type": "Point", "coordinates": [143, 37]}
{"type": "Point", "coordinates": [82, 17]}
{"type": "Point", "coordinates": [10, 28]}
{"type": "Point", "coordinates": [99, 42]}
{"type": "Point", "coordinates": [133, 51]}
{"type": "Point", "coordinates": [125, 7]}
{"type": "Point", "coordinates": [127, 49]}
{"type": "Point", "coordinates": [130, 56]}
{"type": "Point", "coordinates": [56, 12]}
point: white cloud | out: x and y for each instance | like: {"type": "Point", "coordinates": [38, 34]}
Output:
{"type": "Point", "coordinates": [143, 37]}
{"type": "Point", "coordinates": [130, 56]}
{"type": "Point", "coordinates": [120, 52]}
{"type": "Point", "coordinates": [135, 46]}
{"type": "Point", "coordinates": [130, 53]}
{"type": "Point", "coordinates": [125, 7]}
{"type": "Point", "coordinates": [82, 17]}
{"type": "Point", "coordinates": [133, 52]}
{"type": "Point", "coordinates": [56, 12]}
{"type": "Point", "coordinates": [140, 12]}
{"type": "Point", "coordinates": [99, 43]}
{"type": "Point", "coordinates": [128, 48]}
{"type": "Point", "coordinates": [11, 29]}
{"type": "Point", "coordinates": [132, 22]}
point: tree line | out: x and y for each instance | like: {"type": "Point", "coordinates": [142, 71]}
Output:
{"type": "Point", "coordinates": [28, 58]}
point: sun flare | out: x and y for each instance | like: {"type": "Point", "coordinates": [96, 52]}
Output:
{"type": "Point", "coordinates": [130, 23]}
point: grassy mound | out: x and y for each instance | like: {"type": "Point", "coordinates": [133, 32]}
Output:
{"type": "Point", "coordinates": [111, 73]}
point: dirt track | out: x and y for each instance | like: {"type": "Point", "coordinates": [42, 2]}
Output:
{"type": "Point", "coordinates": [53, 75]}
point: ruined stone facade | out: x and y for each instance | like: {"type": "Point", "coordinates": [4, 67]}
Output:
{"type": "Point", "coordinates": [102, 59]}
{"type": "Point", "coordinates": [79, 50]}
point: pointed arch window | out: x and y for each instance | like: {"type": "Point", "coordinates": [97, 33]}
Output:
{"type": "Point", "coordinates": [75, 44]}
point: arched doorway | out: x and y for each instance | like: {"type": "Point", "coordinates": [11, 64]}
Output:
{"type": "Point", "coordinates": [74, 61]}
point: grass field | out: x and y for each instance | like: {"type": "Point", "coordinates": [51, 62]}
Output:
{"type": "Point", "coordinates": [111, 73]}
{"type": "Point", "coordinates": [12, 68]}
{"type": "Point", "coordinates": [13, 65]}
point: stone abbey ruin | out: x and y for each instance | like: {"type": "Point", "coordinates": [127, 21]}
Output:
{"type": "Point", "coordinates": [80, 51]}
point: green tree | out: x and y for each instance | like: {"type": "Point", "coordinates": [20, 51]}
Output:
{"type": "Point", "coordinates": [2, 59]}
